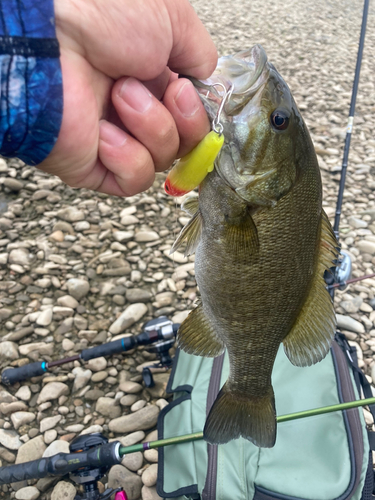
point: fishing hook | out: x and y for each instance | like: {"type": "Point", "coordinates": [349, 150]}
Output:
{"type": "Point", "coordinates": [217, 126]}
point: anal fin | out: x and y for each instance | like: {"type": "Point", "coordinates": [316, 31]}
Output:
{"type": "Point", "coordinates": [311, 336]}
{"type": "Point", "coordinates": [197, 336]}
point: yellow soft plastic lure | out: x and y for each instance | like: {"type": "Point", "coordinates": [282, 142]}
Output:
{"type": "Point", "coordinates": [190, 170]}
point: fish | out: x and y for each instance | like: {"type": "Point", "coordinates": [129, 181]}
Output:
{"type": "Point", "coordinates": [262, 243]}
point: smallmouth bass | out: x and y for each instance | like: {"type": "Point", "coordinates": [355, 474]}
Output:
{"type": "Point", "coordinates": [262, 243]}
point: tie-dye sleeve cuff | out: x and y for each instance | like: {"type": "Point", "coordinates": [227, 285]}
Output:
{"type": "Point", "coordinates": [31, 99]}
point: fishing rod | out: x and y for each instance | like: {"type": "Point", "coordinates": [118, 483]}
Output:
{"type": "Point", "coordinates": [91, 456]}
{"type": "Point", "coordinates": [160, 331]}
{"type": "Point", "coordinates": [349, 128]}
{"type": "Point", "coordinates": [344, 284]}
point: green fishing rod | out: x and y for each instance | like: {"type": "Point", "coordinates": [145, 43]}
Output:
{"type": "Point", "coordinates": [85, 456]}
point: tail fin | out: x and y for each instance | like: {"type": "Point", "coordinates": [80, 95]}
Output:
{"type": "Point", "coordinates": [233, 415]}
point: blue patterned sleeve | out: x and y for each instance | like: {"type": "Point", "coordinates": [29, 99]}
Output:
{"type": "Point", "coordinates": [31, 98]}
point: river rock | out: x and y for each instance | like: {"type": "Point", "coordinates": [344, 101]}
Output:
{"type": "Point", "coordinates": [63, 491]}
{"type": "Point", "coordinates": [130, 387]}
{"type": "Point", "coordinates": [140, 420]}
{"type": "Point", "coordinates": [8, 350]}
{"type": "Point", "coordinates": [19, 256]}
{"type": "Point", "coordinates": [59, 446]}
{"type": "Point", "coordinates": [21, 418]}
{"type": "Point", "coordinates": [97, 364]}
{"type": "Point", "coordinates": [78, 288]}
{"type": "Point", "coordinates": [51, 391]}
{"type": "Point", "coordinates": [27, 493]}
{"type": "Point", "coordinates": [24, 393]}
{"type": "Point", "coordinates": [108, 407]}
{"type": "Point", "coordinates": [131, 315]}
{"type": "Point", "coordinates": [71, 214]}
{"type": "Point", "coordinates": [150, 493]}
{"type": "Point", "coordinates": [348, 323]}
{"type": "Point", "coordinates": [13, 184]}
{"type": "Point", "coordinates": [10, 439]}
{"type": "Point", "coordinates": [138, 295]}
{"type": "Point", "coordinates": [45, 317]}
{"type": "Point", "coordinates": [120, 476]}
{"type": "Point", "coordinates": [32, 450]}
{"type": "Point", "coordinates": [133, 461]}
{"type": "Point", "coordinates": [146, 236]}
{"type": "Point", "coordinates": [49, 423]}
{"type": "Point", "coordinates": [150, 475]}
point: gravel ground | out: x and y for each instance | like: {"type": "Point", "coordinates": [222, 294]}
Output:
{"type": "Point", "coordinates": [78, 269]}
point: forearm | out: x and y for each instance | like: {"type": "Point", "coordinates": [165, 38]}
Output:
{"type": "Point", "coordinates": [31, 100]}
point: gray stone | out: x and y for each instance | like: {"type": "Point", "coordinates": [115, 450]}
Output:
{"type": "Point", "coordinates": [146, 236]}
{"type": "Point", "coordinates": [59, 446]}
{"type": "Point", "coordinates": [24, 393]}
{"type": "Point", "coordinates": [138, 295]}
{"type": "Point", "coordinates": [71, 214]}
{"type": "Point", "coordinates": [27, 493]}
{"type": "Point", "coordinates": [10, 439]}
{"type": "Point", "coordinates": [63, 491]}
{"type": "Point", "coordinates": [82, 378]}
{"type": "Point", "coordinates": [78, 288]}
{"type": "Point", "coordinates": [8, 350]}
{"type": "Point", "coordinates": [123, 236]}
{"type": "Point", "coordinates": [130, 439]}
{"type": "Point", "coordinates": [150, 493]}
{"type": "Point", "coordinates": [94, 394]}
{"type": "Point", "coordinates": [140, 420]}
{"type": "Point", "coordinates": [133, 461]}
{"type": "Point", "coordinates": [49, 423]}
{"type": "Point", "coordinates": [130, 387]}
{"type": "Point", "coordinates": [97, 364]}
{"type": "Point", "coordinates": [19, 256]}
{"type": "Point", "coordinates": [131, 315]}
{"type": "Point", "coordinates": [365, 246]}
{"type": "Point", "coordinates": [32, 450]}
{"type": "Point", "coordinates": [13, 184]}
{"type": "Point", "coordinates": [45, 317]}
{"type": "Point", "coordinates": [21, 418]}
{"type": "Point", "coordinates": [348, 323]}
{"type": "Point", "coordinates": [150, 475]}
{"type": "Point", "coordinates": [51, 391]}
{"type": "Point", "coordinates": [8, 408]}
{"type": "Point", "coordinates": [50, 436]}
{"type": "Point", "coordinates": [108, 407]}
{"type": "Point", "coordinates": [128, 400]}
{"type": "Point", "coordinates": [120, 476]}
{"type": "Point", "coordinates": [68, 301]}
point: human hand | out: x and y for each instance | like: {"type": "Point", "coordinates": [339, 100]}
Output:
{"type": "Point", "coordinates": [115, 132]}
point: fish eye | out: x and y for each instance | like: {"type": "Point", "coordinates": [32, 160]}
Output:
{"type": "Point", "coordinates": [280, 119]}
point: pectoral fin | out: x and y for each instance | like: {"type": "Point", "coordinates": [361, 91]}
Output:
{"type": "Point", "coordinates": [190, 206]}
{"type": "Point", "coordinates": [241, 238]}
{"type": "Point", "coordinates": [310, 338]}
{"type": "Point", "coordinates": [197, 336]}
{"type": "Point", "coordinates": [191, 233]}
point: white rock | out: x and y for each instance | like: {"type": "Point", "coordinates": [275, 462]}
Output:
{"type": "Point", "coordinates": [19, 256]}
{"type": "Point", "coordinates": [97, 364]}
{"type": "Point", "coordinates": [146, 236]}
{"type": "Point", "coordinates": [45, 317]}
{"type": "Point", "coordinates": [24, 393]}
{"type": "Point", "coordinates": [50, 436]}
{"type": "Point", "coordinates": [63, 491]}
{"type": "Point", "coordinates": [78, 288]}
{"type": "Point", "coordinates": [131, 315]}
{"type": "Point", "coordinates": [67, 345]}
{"type": "Point", "coordinates": [71, 214]}
{"type": "Point", "coordinates": [21, 418]}
{"type": "Point", "coordinates": [10, 439]}
{"type": "Point", "coordinates": [348, 323]}
{"type": "Point", "coordinates": [49, 423]}
{"type": "Point", "coordinates": [365, 246]}
{"type": "Point", "coordinates": [123, 236]}
{"type": "Point", "coordinates": [27, 493]}
{"type": "Point", "coordinates": [67, 301]}
{"type": "Point", "coordinates": [55, 447]}
{"type": "Point", "coordinates": [8, 350]}
{"type": "Point", "coordinates": [51, 391]}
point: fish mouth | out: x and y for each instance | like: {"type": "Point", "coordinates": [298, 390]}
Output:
{"type": "Point", "coordinates": [241, 74]}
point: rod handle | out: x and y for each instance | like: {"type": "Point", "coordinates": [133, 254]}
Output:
{"type": "Point", "coordinates": [12, 375]}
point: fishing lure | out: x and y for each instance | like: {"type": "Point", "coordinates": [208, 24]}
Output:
{"type": "Point", "coordinates": [189, 171]}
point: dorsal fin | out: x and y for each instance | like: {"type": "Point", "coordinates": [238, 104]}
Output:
{"type": "Point", "coordinates": [310, 338]}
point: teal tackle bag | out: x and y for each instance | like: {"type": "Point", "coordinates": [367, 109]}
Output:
{"type": "Point", "coordinates": [324, 457]}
